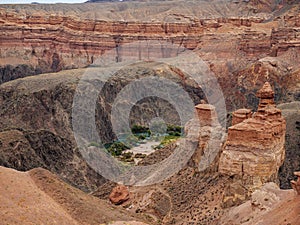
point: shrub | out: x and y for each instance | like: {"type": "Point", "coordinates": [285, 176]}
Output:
{"type": "Point", "coordinates": [116, 148]}
{"type": "Point", "coordinates": [138, 129]}
{"type": "Point", "coordinates": [174, 130]}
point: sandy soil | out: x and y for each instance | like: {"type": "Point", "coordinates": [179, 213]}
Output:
{"type": "Point", "coordinates": [145, 148]}
{"type": "Point", "coordinates": [39, 197]}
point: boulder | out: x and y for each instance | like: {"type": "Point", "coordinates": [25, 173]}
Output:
{"type": "Point", "coordinates": [119, 195]}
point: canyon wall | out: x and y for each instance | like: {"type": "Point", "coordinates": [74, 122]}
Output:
{"type": "Point", "coordinates": [242, 51]}
{"type": "Point", "coordinates": [36, 118]}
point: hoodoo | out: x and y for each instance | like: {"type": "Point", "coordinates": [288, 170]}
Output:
{"type": "Point", "coordinates": [254, 149]}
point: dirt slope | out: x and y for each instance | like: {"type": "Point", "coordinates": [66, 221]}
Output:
{"type": "Point", "coordinates": [39, 197]}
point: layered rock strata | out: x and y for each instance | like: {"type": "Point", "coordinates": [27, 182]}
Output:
{"type": "Point", "coordinates": [240, 115]}
{"type": "Point", "coordinates": [207, 115]}
{"type": "Point", "coordinates": [254, 149]}
{"type": "Point", "coordinates": [48, 38]}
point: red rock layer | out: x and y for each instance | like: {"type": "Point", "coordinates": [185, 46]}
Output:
{"type": "Point", "coordinates": [61, 42]}
{"type": "Point", "coordinates": [207, 115]}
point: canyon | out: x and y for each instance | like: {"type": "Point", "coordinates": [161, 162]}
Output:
{"type": "Point", "coordinates": [243, 47]}
{"type": "Point", "coordinates": [250, 48]}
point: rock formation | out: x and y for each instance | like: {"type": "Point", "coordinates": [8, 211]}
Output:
{"type": "Point", "coordinates": [296, 184]}
{"type": "Point", "coordinates": [26, 150]}
{"type": "Point", "coordinates": [254, 149]}
{"type": "Point", "coordinates": [207, 115]}
{"type": "Point", "coordinates": [240, 46]}
{"type": "Point", "coordinates": [119, 194]}
{"type": "Point", "coordinates": [210, 136]}
{"type": "Point", "coordinates": [36, 40]}
{"type": "Point", "coordinates": [35, 121]}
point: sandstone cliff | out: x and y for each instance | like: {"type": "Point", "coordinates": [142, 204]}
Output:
{"type": "Point", "coordinates": [243, 48]}
{"type": "Point", "coordinates": [209, 136]}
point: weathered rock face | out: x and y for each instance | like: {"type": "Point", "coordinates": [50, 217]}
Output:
{"type": "Point", "coordinates": [25, 150]}
{"type": "Point", "coordinates": [51, 42]}
{"type": "Point", "coordinates": [207, 115]}
{"type": "Point", "coordinates": [291, 113]}
{"type": "Point", "coordinates": [40, 39]}
{"type": "Point", "coordinates": [254, 149]}
{"type": "Point", "coordinates": [267, 205]}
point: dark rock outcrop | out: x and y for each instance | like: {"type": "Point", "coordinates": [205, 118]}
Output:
{"type": "Point", "coordinates": [24, 151]}
{"type": "Point", "coordinates": [36, 111]}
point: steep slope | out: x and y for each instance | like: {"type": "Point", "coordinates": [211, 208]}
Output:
{"type": "Point", "coordinates": [36, 130]}
{"type": "Point", "coordinates": [291, 111]}
{"type": "Point", "coordinates": [38, 196]}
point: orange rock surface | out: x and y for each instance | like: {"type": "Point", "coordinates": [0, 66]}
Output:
{"type": "Point", "coordinates": [207, 115]}
{"type": "Point", "coordinates": [119, 194]}
{"type": "Point", "coordinates": [240, 115]}
{"type": "Point", "coordinates": [254, 149]}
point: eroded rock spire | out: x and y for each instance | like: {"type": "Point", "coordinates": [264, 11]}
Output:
{"type": "Point", "coordinates": [254, 149]}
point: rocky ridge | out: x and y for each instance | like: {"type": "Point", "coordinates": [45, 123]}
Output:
{"type": "Point", "coordinates": [40, 39]}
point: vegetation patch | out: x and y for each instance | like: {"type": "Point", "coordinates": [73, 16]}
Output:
{"type": "Point", "coordinates": [140, 135]}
